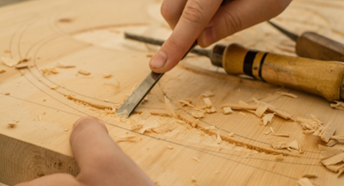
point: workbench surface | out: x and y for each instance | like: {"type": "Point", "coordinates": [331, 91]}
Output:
{"type": "Point", "coordinates": [43, 104]}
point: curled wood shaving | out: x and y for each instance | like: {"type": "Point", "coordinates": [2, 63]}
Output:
{"type": "Point", "coordinates": [231, 134]}
{"type": "Point", "coordinates": [170, 147]}
{"type": "Point", "coordinates": [335, 168]}
{"type": "Point", "coordinates": [282, 134]}
{"type": "Point", "coordinates": [227, 110]}
{"type": "Point", "coordinates": [309, 175]}
{"type": "Point", "coordinates": [196, 159]}
{"type": "Point", "coordinates": [333, 159]}
{"type": "Point", "coordinates": [2, 70]}
{"type": "Point", "coordinates": [198, 114]}
{"type": "Point", "coordinates": [305, 182]}
{"type": "Point", "coordinates": [184, 103]}
{"type": "Point", "coordinates": [280, 113]}
{"type": "Point", "coordinates": [210, 128]}
{"type": "Point", "coordinates": [128, 138]}
{"type": "Point", "coordinates": [329, 153]}
{"type": "Point", "coordinates": [327, 132]}
{"type": "Point", "coordinates": [12, 124]}
{"type": "Point", "coordinates": [107, 75]}
{"type": "Point", "coordinates": [84, 72]}
{"type": "Point", "coordinates": [287, 94]}
{"type": "Point", "coordinates": [9, 61]}
{"type": "Point", "coordinates": [54, 87]}
{"type": "Point", "coordinates": [193, 179]}
{"type": "Point", "coordinates": [261, 110]}
{"type": "Point", "coordinates": [339, 139]}
{"type": "Point", "coordinates": [332, 142]}
{"type": "Point", "coordinates": [63, 65]}
{"type": "Point", "coordinates": [22, 66]}
{"type": "Point", "coordinates": [240, 107]}
{"type": "Point", "coordinates": [338, 105]}
{"type": "Point", "coordinates": [48, 71]}
{"type": "Point", "coordinates": [268, 118]}
{"type": "Point", "coordinates": [207, 94]}
{"type": "Point", "coordinates": [294, 145]}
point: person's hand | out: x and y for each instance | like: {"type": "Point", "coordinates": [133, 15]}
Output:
{"type": "Point", "coordinates": [207, 22]}
{"type": "Point", "coordinates": [100, 160]}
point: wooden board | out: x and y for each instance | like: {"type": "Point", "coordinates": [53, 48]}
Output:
{"type": "Point", "coordinates": [89, 35]}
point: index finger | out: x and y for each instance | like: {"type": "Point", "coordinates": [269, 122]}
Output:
{"type": "Point", "coordinates": [196, 15]}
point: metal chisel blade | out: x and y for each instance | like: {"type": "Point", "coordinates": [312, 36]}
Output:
{"type": "Point", "coordinates": [137, 96]}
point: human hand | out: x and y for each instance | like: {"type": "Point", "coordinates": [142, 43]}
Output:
{"type": "Point", "coordinates": [100, 160]}
{"type": "Point", "coordinates": [207, 22]}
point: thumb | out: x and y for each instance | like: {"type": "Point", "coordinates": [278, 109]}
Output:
{"type": "Point", "coordinates": [239, 15]}
{"type": "Point", "coordinates": [196, 15]}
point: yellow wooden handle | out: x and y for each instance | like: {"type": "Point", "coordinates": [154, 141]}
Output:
{"type": "Point", "coordinates": [314, 76]}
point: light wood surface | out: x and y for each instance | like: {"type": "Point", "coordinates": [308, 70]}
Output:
{"type": "Point", "coordinates": [89, 35]}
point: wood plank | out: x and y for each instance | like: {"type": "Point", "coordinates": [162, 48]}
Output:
{"type": "Point", "coordinates": [49, 32]}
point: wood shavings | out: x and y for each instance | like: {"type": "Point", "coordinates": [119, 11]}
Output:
{"type": "Point", "coordinates": [12, 124]}
{"type": "Point", "coordinates": [305, 182]}
{"type": "Point", "coordinates": [193, 179]}
{"type": "Point", "coordinates": [333, 159]}
{"type": "Point", "coordinates": [227, 110]}
{"type": "Point", "coordinates": [48, 71]}
{"type": "Point", "coordinates": [106, 76]}
{"type": "Point", "coordinates": [128, 138]}
{"type": "Point", "coordinates": [267, 132]}
{"type": "Point", "coordinates": [184, 103]}
{"type": "Point", "coordinates": [9, 61]}
{"type": "Point", "coordinates": [335, 168]}
{"type": "Point", "coordinates": [196, 159]}
{"type": "Point", "coordinates": [331, 143]}
{"type": "Point", "coordinates": [54, 87]}
{"type": "Point", "coordinates": [2, 70]}
{"type": "Point", "coordinates": [279, 157]}
{"type": "Point", "coordinates": [84, 72]}
{"type": "Point", "coordinates": [218, 138]}
{"type": "Point", "coordinates": [330, 152]}
{"type": "Point", "coordinates": [207, 94]}
{"type": "Point", "coordinates": [287, 94]}
{"type": "Point", "coordinates": [195, 123]}
{"type": "Point", "coordinates": [231, 134]}
{"type": "Point", "coordinates": [7, 93]}
{"type": "Point", "coordinates": [209, 106]}
{"type": "Point", "coordinates": [338, 105]}
{"type": "Point", "coordinates": [294, 145]}
{"type": "Point", "coordinates": [261, 110]}
{"type": "Point", "coordinates": [170, 147]}
{"type": "Point", "coordinates": [339, 139]}
{"type": "Point", "coordinates": [63, 65]}
{"type": "Point", "coordinates": [169, 108]}
{"type": "Point", "coordinates": [267, 118]}
{"type": "Point", "coordinates": [102, 107]}
{"type": "Point", "coordinates": [210, 128]}
{"type": "Point", "coordinates": [327, 132]}
{"type": "Point", "coordinates": [240, 107]}
{"type": "Point", "coordinates": [198, 114]}
{"type": "Point", "coordinates": [280, 113]}
{"type": "Point", "coordinates": [309, 175]}
{"type": "Point", "coordinates": [272, 130]}
{"type": "Point", "coordinates": [137, 126]}
{"type": "Point", "coordinates": [180, 121]}
{"type": "Point", "coordinates": [282, 134]}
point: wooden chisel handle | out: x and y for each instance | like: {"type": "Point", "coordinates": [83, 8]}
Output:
{"type": "Point", "coordinates": [313, 45]}
{"type": "Point", "coordinates": [314, 76]}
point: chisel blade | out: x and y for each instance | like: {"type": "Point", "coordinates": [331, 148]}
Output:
{"type": "Point", "coordinates": [137, 96]}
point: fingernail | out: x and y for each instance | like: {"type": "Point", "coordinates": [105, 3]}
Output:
{"type": "Point", "coordinates": [208, 36]}
{"type": "Point", "coordinates": [159, 60]}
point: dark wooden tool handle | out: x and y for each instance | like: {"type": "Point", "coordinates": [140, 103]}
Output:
{"type": "Point", "coordinates": [313, 45]}
{"type": "Point", "coordinates": [314, 76]}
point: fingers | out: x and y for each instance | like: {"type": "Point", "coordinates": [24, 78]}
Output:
{"type": "Point", "coordinates": [171, 10]}
{"type": "Point", "coordinates": [238, 15]}
{"type": "Point", "coordinates": [100, 159]}
{"type": "Point", "coordinates": [196, 15]}
{"type": "Point", "coordinates": [52, 180]}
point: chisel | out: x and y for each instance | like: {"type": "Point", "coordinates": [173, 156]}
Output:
{"type": "Point", "coordinates": [315, 46]}
{"type": "Point", "coordinates": [324, 78]}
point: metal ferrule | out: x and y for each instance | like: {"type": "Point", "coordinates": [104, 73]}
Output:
{"type": "Point", "coordinates": [216, 55]}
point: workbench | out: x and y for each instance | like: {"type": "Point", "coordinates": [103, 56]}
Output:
{"type": "Point", "coordinates": [43, 104]}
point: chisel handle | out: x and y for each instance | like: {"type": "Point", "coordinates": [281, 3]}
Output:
{"type": "Point", "coordinates": [313, 45]}
{"type": "Point", "coordinates": [313, 76]}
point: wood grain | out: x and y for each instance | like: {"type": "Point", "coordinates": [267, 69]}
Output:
{"type": "Point", "coordinates": [89, 35]}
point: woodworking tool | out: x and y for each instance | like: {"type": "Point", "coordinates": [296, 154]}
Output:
{"type": "Point", "coordinates": [148, 83]}
{"type": "Point", "coordinates": [324, 78]}
{"type": "Point", "coordinates": [315, 46]}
